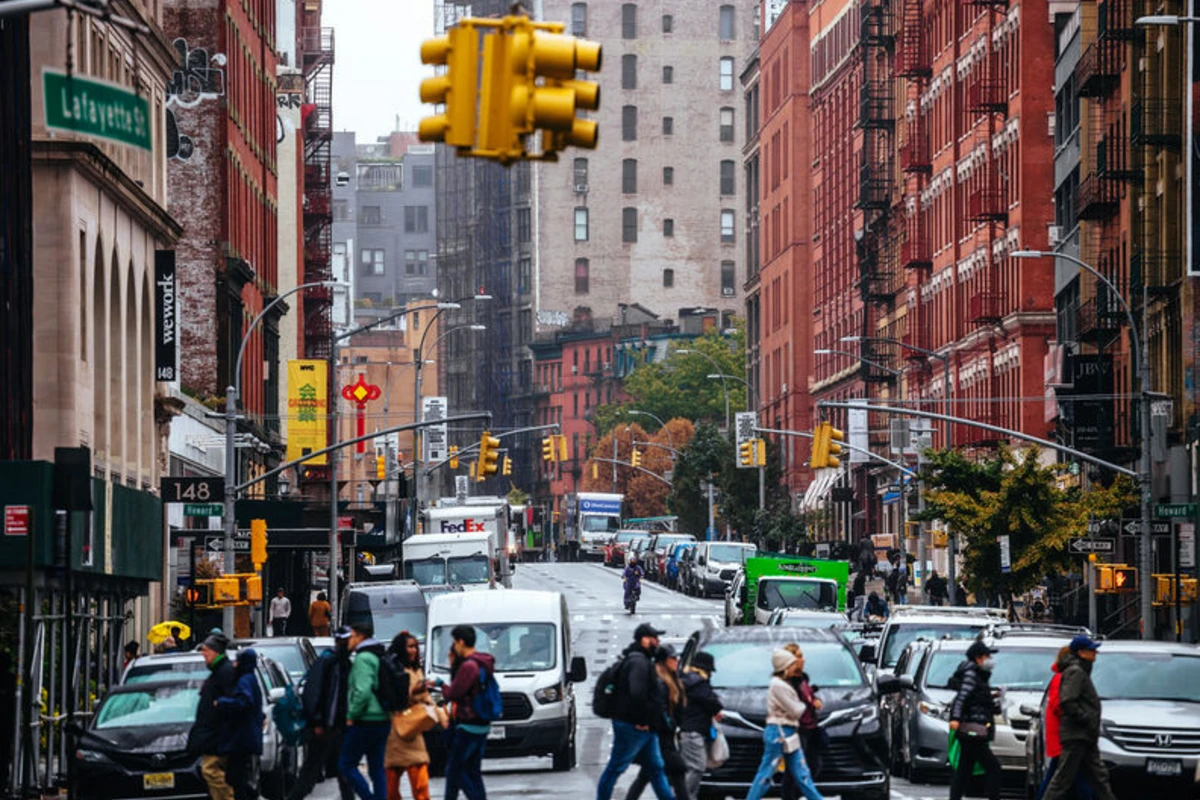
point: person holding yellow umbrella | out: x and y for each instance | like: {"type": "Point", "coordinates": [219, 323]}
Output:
{"type": "Point", "coordinates": [169, 637]}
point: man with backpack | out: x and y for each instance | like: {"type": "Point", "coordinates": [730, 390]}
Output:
{"type": "Point", "coordinates": [635, 698]}
{"type": "Point", "coordinates": [476, 697]}
{"type": "Point", "coordinates": [367, 719]}
{"type": "Point", "coordinates": [324, 702]}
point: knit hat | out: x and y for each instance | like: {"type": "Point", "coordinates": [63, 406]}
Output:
{"type": "Point", "coordinates": [781, 660]}
{"type": "Point", "coordinates": [217, 642]}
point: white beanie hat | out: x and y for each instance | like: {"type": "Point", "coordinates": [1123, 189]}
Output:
{"type": "Point", "coordinates": [781, 660]}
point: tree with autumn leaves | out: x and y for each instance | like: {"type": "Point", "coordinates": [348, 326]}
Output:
{"type": "Point", "coordinates": [645, 495]}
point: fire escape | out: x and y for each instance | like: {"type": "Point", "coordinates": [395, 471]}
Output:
{"type": "Point", "coordinates": [316, 58]}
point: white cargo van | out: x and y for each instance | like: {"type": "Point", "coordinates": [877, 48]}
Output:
{"type": "Point", "coordinates": [454, 559]}
{"type": "Point", "coordinates": [488, 519]}
{"type": "Point", "coordinates": [529, 635]}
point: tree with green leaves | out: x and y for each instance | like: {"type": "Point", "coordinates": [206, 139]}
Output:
{"type": "Point", "coordinates": [707, 454]}
{"type": "Point", "coordinates": [1014, 494]}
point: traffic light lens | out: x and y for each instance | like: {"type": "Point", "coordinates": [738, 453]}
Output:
{"type": "Point", "coordinates": [554, 56]}
{"type": "Point", "coordinates": [434, 90]}
{"type": "Point", "coordinates": [433, 129]}
{"type": "Point", "coordinates": [435, 51]}
{"type": "Point", "coordinates": [587, 94]}
{"type": "Point", "coordinates": [588, 56]}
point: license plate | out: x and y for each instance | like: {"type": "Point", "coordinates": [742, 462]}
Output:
{"type": "Point", "coordinates": [158, 780]}
{"type": "Point", "coordinates": [496, 732]}
{"type": "Point", "coordinates": [1164, 767]}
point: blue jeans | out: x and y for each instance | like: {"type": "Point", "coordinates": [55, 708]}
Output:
{"type": "Point", "coordinates": [365, 739]}
{"type": "Point", "coordinates": [629, 745]}
{"type": "Point", "coordinates": [463, 765]}
{"type": "Point", "coordinates": [773, 737]}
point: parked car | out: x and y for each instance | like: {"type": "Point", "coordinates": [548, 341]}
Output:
{"type": "Point", "coordinates": [618, 545]}
{"type": "Point", "coordinates": [656, 553]}
{"type": "Point", "coordinates": [805, 618]}
{"type": "Point", "coordinates": [686, 566]}
{"type": "Point", "coordinates": [391, 607]}
{"type": "Point", "coordinates": [716, 564]}
{"type": "Point", "coordinates": [294, 653]}
{"type": "Point", "coordinates": [136, 744]}
{"type": "Point", "coordinates": [637, 548]}
{"type": "Point", "coordinates": [909, 623]}
{"type": "Point", "coordinates": [855, 764]}
{"type": "Point", "coordinates": [1150, 732]}
{"type": "Point", "coordinates": [679, 552]}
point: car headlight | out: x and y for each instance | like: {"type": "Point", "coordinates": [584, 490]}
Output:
{"type": "Point", "coordinates": [550, 694]}
{"type": "Point", "coordinates": [934, 710]}
{"type": "Point", "coordinates": [91, 756]}
{"type": "Point", "coordinates": [869, 714]}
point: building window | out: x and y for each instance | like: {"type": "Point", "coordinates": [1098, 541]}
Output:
{"type": "Point", "coordinates": [416, 219]}
{"type": "Point", "coordinates": [668, 278]}
{"type": "Point", "coordinates": [725, 23]}
{"type": "Point", "coordinates": [629, 123]}
{"type": "Point", "coordinates": [668, 126]}
{"type": "Point", "coordinates": [373, 262]}
{"type": "Point", "coordinates": [581, 276]}
{"type": "Point", "coordinates": [728, 275]}
{"type": "Point", "coordinates": [668, 74]}
{"type": "Point", "coordinates": [341, 211]}
{"type": "Point", "coordinates": [668, 227]}
{"type": "Point", "coordinates": [422, 262]}
{"type": "Point", "coordinates": [579, 19]}
{"type": "Point", "coordinates": [628, 21]}
{"type": "Point", "coordinates": [629, 225]}
{"type": "Point", "coordinates": [727, 180]}
{"type": "Point", "coordinates": [581, 224]}
{"type": "Point", "coordinates": [727, 232]}
{"type": "Point", "coordinates": [372, 215]}
{"type": "Point", "coordinates": [726, 84]}
{"type": "Point", "coordinates": [628, 71]}
{"type": "Point", "coordinates": [727, 124]}
{"type": "Point", "coordinates": [410, 262]}
{"type": "Point", "coordinates": [668, 23]}
{"type": "Point", "coordinates": [524, 274]}
{"type": "Point", "coordinates": [581, 174]}
{"type": "Point", "coordinates": [524, 225]}
{"type": "Point", "coordinates": [668, 176]}
{"type": "Point", "coordinates": [629, 176]}
{"type": "Point", "coordinates": [422, 176]}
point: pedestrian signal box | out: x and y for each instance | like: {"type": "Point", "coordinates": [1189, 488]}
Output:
{"type": "Point", "coordinates": [225, 590]}
{"type": "Point", "coordinates": [1166, 586]}
{"type": "Point", "coordinates": [1116, 579]}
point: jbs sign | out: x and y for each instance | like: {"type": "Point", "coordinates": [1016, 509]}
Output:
{"type": "Point", "coordinates": [463, 526]}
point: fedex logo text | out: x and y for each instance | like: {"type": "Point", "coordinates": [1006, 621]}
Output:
{"type": "Point", "coordinates": [465, 526]}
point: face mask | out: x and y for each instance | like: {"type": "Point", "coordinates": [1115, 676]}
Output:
{"type": "Point", "coordinates": [988, 664]}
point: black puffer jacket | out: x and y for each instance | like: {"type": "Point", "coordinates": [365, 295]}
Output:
{"type": "Point", "coordinates": [702, 704]}
{"type": "Point", "coordinates": [974, 702]}
{"type": "Point", "coordinates": [210, 733]}
{"type": "Point", "coordinates": [638, 700]}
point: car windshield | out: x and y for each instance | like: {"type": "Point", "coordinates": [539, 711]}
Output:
{"type": "Point", "coordinates": [468, 569]}
{"type": "Point", "coordinates": [773, 594]}
{"type": "Point", "coordinates": [900, 635]}
{"type": "Point", "coordinates": [426, 571]}
{"type": "Point", "coordinates": [286, 655]}
{"type": "Point", "coordinates": [1147, 676]}
{"type": "Point", "coordinates": [516, 646]}
{"type": "Point", "coordinates": [595, 524]}
{"type": "Point", "coordinates": [1026, 669]}
{"type": "Point", "coordinates": [729, 553]}
{"type": "Point", "coordinates": [389, 622]}
{"type": "Point", "coordinates": [741, 664]}
{"type": "Point", "coordinates": [809, 621]}
{"type": "Point", "coordinates": [192, 669]}
{"type": "Point", "coordinates": [159, 704]}
{"type": "Point", "coordinates": [626, 538]}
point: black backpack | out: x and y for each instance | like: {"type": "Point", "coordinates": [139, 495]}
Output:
{"type": "Point", "coordinates": [604, 694]}
{"type": "Point", "coordinates": [392, 685]}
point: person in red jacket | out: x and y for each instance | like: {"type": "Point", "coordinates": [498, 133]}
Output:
{"type": "Point", "coordinates": [469, 734]}
{"type": "Point", "coordinates": [1050, 723]}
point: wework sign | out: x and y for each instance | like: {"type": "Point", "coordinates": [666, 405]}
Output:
{"type": "Point", "coordinates": [166, 328]}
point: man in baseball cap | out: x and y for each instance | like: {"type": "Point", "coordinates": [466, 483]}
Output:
{"type": "Point", "coordinates": [1079, 726]}
{"type": "Point", "coordinates": [633, 735]}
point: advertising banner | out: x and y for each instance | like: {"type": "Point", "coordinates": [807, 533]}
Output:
{"type": "Point", "coordinates": [166, 359]}
{"type": "Point", "coordinates": [308, 409]}
{"type": "Point", "coordinates": [433, 438]}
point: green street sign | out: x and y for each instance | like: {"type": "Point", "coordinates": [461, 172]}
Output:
{"type": "Point", "coordinates": [95, 108]}
{"type": "Point", "coordinates": [1175, 510]}
{"type": "Point", "coordinates": [203, 510]}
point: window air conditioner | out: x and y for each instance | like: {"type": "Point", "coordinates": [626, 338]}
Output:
{"type": "Point", "coordinates": [1054, 234]}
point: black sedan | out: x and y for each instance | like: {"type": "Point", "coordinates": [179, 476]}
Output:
{"type": "Point", "coordinates": [136, 745]}
{"type": "Point", "coordinates": [856, 764]}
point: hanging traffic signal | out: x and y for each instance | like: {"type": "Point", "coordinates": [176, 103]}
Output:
{"type": "Point", "coordinates": [562, 447]}
{"type": "Point", "coordinates": [453, 456]}
{"type": "Point", "coordinates": [746, 453]}
{"type": "Point", "coordinates": [760, 452]}
{"type": "Point", "coordinates": [258, 543]}
{"type": "Point", "coordinates": [548, 448]}
{"type": "Point", "coordinates": [506, 466]}
{"type": "Point", "coordinates": [488, 456]}
{"type": "Point", "coordinates": [546, 95]}
{"type": "Point", "coordinates": [457, 88]}
{"type": "Point", "coordinates": [471, 470]}
{"type": "Point", "coordinates": [635, 458]}
{"type": "Point", "coordinates": [595, 470]}
{"type": "Point", "coordinates": [380, 468]}
{"type": "Point", "coordinates": [826, 446]}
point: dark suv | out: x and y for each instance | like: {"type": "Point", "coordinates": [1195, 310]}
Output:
{"type": "Point", "coordinates": [856, 765]}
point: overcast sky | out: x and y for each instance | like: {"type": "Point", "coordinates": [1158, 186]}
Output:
{"type": "Point", "coordinates": [378, 67]}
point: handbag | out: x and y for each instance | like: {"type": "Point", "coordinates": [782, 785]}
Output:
{"type": "Point", "coordinates": [972, 730]}
{"type": "Point", "coordinates": [791, 743]}
{"type": "Point", "coordinates": [414, 720]}
{"type": "Point", "coordinates": [718, 751]}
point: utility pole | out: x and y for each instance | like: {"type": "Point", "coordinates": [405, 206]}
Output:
{"type": "Point", "coordinates": [708, 534]}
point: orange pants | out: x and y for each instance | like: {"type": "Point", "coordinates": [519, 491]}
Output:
{"type": "Point", "coordinates": [418, 778]}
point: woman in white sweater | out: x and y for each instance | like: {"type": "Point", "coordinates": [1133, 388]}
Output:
{"type": "Point", "coordinates": [781, 737]}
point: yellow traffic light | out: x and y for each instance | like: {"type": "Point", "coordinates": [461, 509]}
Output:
{"type": "Point", "coordinates": [457, 88]}
{"type": "Point", "coordinates": [746, 453]}
{"type": "Point", "coordinates": [595, 470]}
{"type": "Point", "coordinates": [760, 452]}
{"type": "Point", "coordinates": [488, 457]}
{"type": "Point", "coordinates": [635, 458]}
{"type": "Point", "coordinates": [380, 468]}
{"type": "Point", "coordinates": [1189, 590]}
{"type": "Point", "coordinates": [471, 470]}
{"type": "Point", "coordinates": [258, 542]}
{"type": "Point", "coordinates": [546, 95]}
{"type": "Point", "coordinates": [506, 466]}
{"type": "Point", "coordinates": [254, 589]}
{"type": "Point", "coordinates": [453, 456]}
{"type": "Point", "coordinates": [226, 590]}
{"type": "Point", "coordinates": [1125, 579]}
{"type": "Point", "coordinates": [562, 447]}
{"type": "Point", "coordinates": [548, 448]}
{"type": "Point", "coordinates": [826, 446]}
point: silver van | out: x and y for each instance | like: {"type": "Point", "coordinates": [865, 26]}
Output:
{"type": "Point", "coordinates": [714, 564]}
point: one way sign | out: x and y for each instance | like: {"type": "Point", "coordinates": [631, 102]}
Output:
{"type": "Point", "coordinates": [1098, 545]}
{"type": "Point", "coordinates": [1158, 527]}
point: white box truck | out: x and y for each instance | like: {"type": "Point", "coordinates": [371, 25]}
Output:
{"type": "Point", "coordinates": [451, 559]}
{"type": "Point", "coordinates": [487, 519]}
{"type": "Point", "coordinates": [592, 519]}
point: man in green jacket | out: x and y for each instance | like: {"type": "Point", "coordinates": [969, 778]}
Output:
{"type": "Point", "coordinates": [1079, 726]}
{"type": "Point", "coordinates": [367, 723]}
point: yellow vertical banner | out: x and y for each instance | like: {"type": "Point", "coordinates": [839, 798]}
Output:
{"type": "Point", "coordinates": [308, 409]}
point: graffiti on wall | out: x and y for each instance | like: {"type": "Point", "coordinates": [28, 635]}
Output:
{"type": "Point", "coordinates": [179, 146]}
{"type": "Point", "coordinates": [197, 76]}
{"type": "Point", "coordinates": [288, 113]}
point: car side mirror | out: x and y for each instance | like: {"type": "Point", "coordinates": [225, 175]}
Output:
{"type": "Point", "coordinates": [906, 682]}
{"type": "Point", "coordinates": [700, 560]}
{"type": "Point", "coordinates": [1033, 712]}
{"type": "Point", "coordinates": [578, 671]}
{"type": "Point", "coordinates": [277, 694]}
{"type": "Point", "coordinates": [887, 684]}
{"type": "Point", "coordinates": [867, 654]}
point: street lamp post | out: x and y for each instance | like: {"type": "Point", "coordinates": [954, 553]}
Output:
{"type": "Point", "coordinates": [657, 419]}
{"type": "Point", "coordinates": [724, 389]}
{"type": "Point", "coordinates": [233, 393]}
{"type": "Point", "coordinates": [753, 400]}
{"type": "Point", "coordinates": [1140, 347]}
